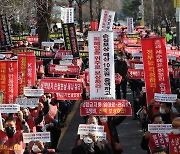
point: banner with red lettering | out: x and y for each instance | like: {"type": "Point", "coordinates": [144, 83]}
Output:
{"type": "Point", "coordinates": [8, 81]}
{"type": "Point", "coordinates": [136, 73]}
{"type": "Point", "coordinates": [106, 21]}
{"type": "Point", "coordinates": [132, 50]}
{"type": "Point", "coordinates": [131, 63]}
{"type": "Point", "coordinates": [174, 144]}
{"type": "Point", "coordinates": [106, 107]}
{"type": "Point", "coordinates": [68, 96]}
{"type": "Point", "coordinates": [155, 67]}
{"type": "Point", "coordinates": [32, 39]}
{"type": "Point", "coordinates": [158, 140]}
{"type": "Point", "coordinates": [62, 69]}
{"type": "Point", "coordinates": [57, 85]}
{"type": "Point", "coordinates": [61, 53]}
{"type": "Point", "coordinates": [26, 70]}
{"type": "Point", "coordinates": [101, 65]}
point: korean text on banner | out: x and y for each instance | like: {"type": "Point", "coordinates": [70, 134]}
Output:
{"type": "Point", "coordinates": [174, 144]}
{"type": "Point", "coordinates": [130, 26]}
{"type": "Point", "coordinates": [155, 67]}
{"type": "Point", "coordinates": [67, 15]}
{"type": "Point", "coordinates": [26, 71]}
{"type": "Point", "coordinates": [106, 21]}
{"type": "Point", "coordinates": [165, 97]}
{"type": "Point", "coordinates": [106, 107]}
{"type": "Point", "coordinates": [38, 136]}
{"type": "Point", "coordinates": [5, 39]}
{"type": "Point", "coordinates": [101, 65]}
{"type": "Point", "coordinates": [160, 128]}
{"type": "Point", "coordinates": [69, 33]}
{"type": "Point", "coordinates": [8, 81]}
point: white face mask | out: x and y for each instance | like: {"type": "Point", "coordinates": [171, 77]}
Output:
{"type": "Point", "coordinates": [176, 131]}
{"type": "Point", "coordinates": [87, 140]}
{"type": "Point", "coordinates": [103, 119]}
{"type": "Point", "coordinates": [35, 148]}
{"type": "Point", "coordinates": [47, 49]}
{"type": "Point", "coordinates": [162, 110]}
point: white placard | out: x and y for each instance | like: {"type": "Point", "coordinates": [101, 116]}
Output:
{"type": "Point", "coordinates": [65, 62]}
{"type": "Point", "coordinates": [33, 92]}
{"type": "Point", "coordinates": [38, 136]}
{"type": "Point", "coordinates": [100, 136]}
{"type": "Point", "coordinates": [27, 102]}
{"type": "Point", "coordinates": [61, 68]}
{"type": "Point", "coordinates": [137, 54]}
{"type": "Point", "coordinates": [85, 129]}
{"type": "Point", "coordinates": [101, 65]}
{"type": "Point", "coordinates": [47, 44]}
{"type": "Point", "coordinates": [59, 41]}
{"type": "Point", "coordinates": [106, 21]}
{"type": "Point", "coordinates": [160, 128]}
{"type": "Point", "coordinates": [130, 26]}
{"type": "Point", "coordinates": [138, 66]}
{"type": "Point", "coordinates": [165, 97]}
{"type": "Point", "coordinates": [144, 89]}
{"type": "Point", "coordinates": [69, 57]}
{"type": "Point", "coordinates": [9, 108]}
{"type": "Point", "coordinates": [67, 15]}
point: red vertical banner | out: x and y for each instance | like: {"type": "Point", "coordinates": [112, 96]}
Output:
{"type": "Point", "coordinates": [8, 81]}
{"type": "Point", "coordinates": [94, 25]}
{"type": "Point", "coordinates": [155, 67]}
{"type": "Point", "coordinates": [26, 71]}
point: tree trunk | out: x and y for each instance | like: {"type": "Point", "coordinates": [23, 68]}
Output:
{"type": "Point", "coordinates": [99, 10]}
{"type": "Point", "coordinates": [44, 9]}
{"type": "Point", "coordinates": [91, 12]}
{"type": "Point", "coordinates": [70, 3]}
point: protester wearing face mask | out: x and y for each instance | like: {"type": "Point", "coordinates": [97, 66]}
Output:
{"type": "Point", "coordinates": [174, 137]}
{"type": "Point", "coordinates": [164, 111]}
{"type": "Point", "coordinates": [147, 138]}
{"type": "Point", "coordinates": [10, 138]}
{"type": "Point", "coordinates": [89, 144]}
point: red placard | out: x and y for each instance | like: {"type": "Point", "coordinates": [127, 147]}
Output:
{"type": "Point", "coordinates": [158, 140]}
{"type": "Point", "coordinates": [118, 78]}
{"type": "Point", "coordinates": [61, 53]}
{"type": "Point", "coordinates": [32, 39]}
{"type": "Point", "coordinates": [8, 81]}
{"type": "Point", "coordinates": [136, 73]}
{"type": "Point", "coordinates": [72, 69]}
{"type": "Point", "coordinates": [106, 107]}
{"type": "Point", "coordinates": [94, 25]}
{"type": "Point", "coordinates": [176, 73]}
{"type": "Point", "coordinates": [175, 53]}
{"type": "Point", "coordinates": [26, 70]}
{"type": "Point", "coordinates": [68, 96]}
{"type": "Point", "coordinates": [174, 144]}
{"type": "Point", "coordinates": [155, 67]}
{"type": "Point", "coordinates": [56, 85]}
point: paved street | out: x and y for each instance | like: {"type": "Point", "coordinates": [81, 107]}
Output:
{"type": "Point", "coordinates": [129, 130]}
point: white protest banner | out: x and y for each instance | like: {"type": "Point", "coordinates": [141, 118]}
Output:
{"type": "Point", "coordinates": [65, 62]}
{"type": "Point", "coordinates": [47, 44]}
{"type": "Point", "coordinates": [68, 15]}
{"type": "Point", "coordinates": [138, 66]}
{"type": "Point", "coordinates": [100, 136]}
{"type": "Point", "coordinates": [70, 57]}
{"type": "Point", "coordinates": [38, 136]}
{"type": "Point", "coordinates": [33, 92]}
{"type": "Point", "coordinates": [9, 108]}
{"type": "Point", "coordinates": [59, 41]}
{"type": "Point", "coordinates": [160, 128]}
{"type": "Point", "coordinates": [106, 21]}
{"type": "Point", "coordinates": [61, 68]}
{"type": "Point", "coordinates": [144, 89]}
{"type": "Point", "coordinates": [165, 97]}
{"type": "Point", "coordinates": [101, 65]}
{"type": "Point", "coordinates": [85, 129]}
{"type": "Point", "coordinates": [130, 26]}
{"type": "Point", "coordinates": [27, 102]}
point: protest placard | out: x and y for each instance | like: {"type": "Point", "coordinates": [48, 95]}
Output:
{"type": "Point", "coordinates": [165, 97]}
{"type": "Point", "coordinates": [160, 128]}
{"type": "Point", "coordinates": [27, 102]}
{"type": "Point", "coordinates": [9, 108]}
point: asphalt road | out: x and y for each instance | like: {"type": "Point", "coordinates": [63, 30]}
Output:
{"type": "Point", "coordinates": [129, 131]}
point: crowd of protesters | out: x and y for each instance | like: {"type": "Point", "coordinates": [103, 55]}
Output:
{"type": "Point", "coordinates": [50, 115]}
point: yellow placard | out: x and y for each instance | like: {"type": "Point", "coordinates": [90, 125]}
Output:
{"type": "Point", "coordinates": [176, 3]}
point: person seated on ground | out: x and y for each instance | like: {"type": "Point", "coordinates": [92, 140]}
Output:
{"type": "Point", "coordinates": [160, 150]}
{"type": "Point", "coordinates": [11, 140]}
{"type": "Point", "coordinates": [164, 110]}
{"type": "Point", "coordinates": [89, 144]}
{"type": "Point", "coordinates": [146, 140]}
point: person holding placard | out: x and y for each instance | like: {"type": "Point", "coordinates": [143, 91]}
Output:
{"type": "Point", "coordinates": [11, 140]}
